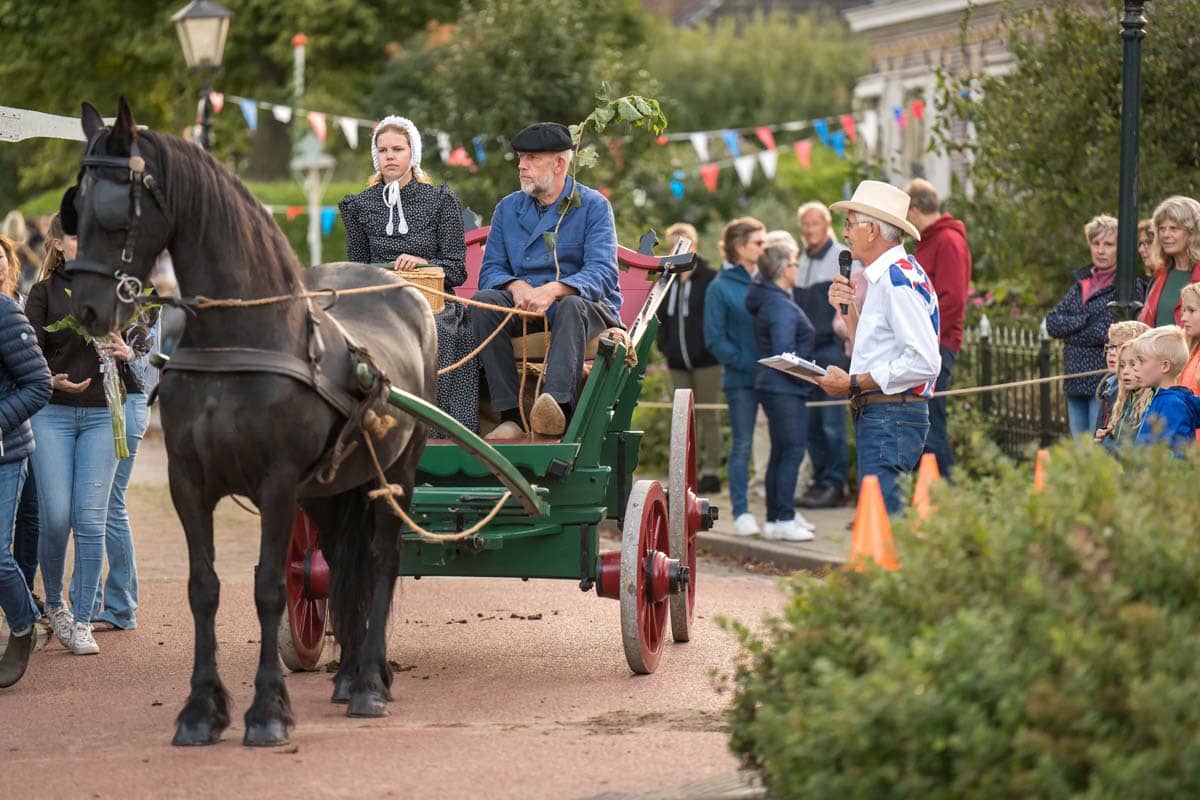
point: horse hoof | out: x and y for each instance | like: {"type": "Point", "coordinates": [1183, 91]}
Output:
{"type": "Point", "coordinates": [267, 734]}
{"type": "Point", "coordinates": [195, 735]}
{"type": "Point", "coordinates": [367, 704]}
{"type": "Point", "coordinates": [341, 691]}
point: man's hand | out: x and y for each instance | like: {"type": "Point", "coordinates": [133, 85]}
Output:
{"type": "Point", "coordinates": [835, 382]}
{"type": "Point", "coordinates": [520, 291]}
{"type": "Point", "coordinates": [841, 293]}
{"type": "Point", "coordinates": [538, 299]}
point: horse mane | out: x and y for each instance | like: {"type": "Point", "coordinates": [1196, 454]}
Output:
{"type": "Point", "coordinates": [204, 195]}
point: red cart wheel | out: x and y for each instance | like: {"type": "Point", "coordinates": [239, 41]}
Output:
{"type": "Point", "coordinates": [647, 576]}
{"type": "Point", "coordinates": [306, 581]}
{"type": "Point", "coordinates": [683, 507]}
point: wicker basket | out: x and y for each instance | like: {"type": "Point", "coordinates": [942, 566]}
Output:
{"type": "Point", "coordinates": [425, 279]}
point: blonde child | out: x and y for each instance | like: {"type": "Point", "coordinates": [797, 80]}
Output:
{"type": "Point", "coordinates": [1106, 391]}
{"type": "Point", "coordinates": [1174, 413]}
{"type": "Point", "coordinates": [1129, 407]}
{"type": "Point", "coordinates": [1189, 320]}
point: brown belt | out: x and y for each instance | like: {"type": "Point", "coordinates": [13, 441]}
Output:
{"type": "Point", "coordinates": [864, 399]}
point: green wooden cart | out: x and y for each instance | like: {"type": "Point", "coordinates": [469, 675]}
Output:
{"type": "Point", "coordinates": [561, 491]}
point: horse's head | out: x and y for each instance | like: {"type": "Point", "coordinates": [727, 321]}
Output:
{"type": "Point", "coordinates": [123, 223]}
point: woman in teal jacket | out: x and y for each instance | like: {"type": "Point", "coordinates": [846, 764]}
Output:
{"type": "Point", "coordinates": [729, 335]}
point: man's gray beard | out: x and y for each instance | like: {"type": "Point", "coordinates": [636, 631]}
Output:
{"type": "Point", "coordinates": [532, 189]}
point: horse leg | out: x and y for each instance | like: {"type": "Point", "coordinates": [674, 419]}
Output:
{"type": "Point", "coordinates": [206, 714]}
{"type": "Point", "coordinates": [269, 717]}
{"type": "Point", "coordinates": [370, 691]}
{"type": "Point", "coordinates": [346, 523]}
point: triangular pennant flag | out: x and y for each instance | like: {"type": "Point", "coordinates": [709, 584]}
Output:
{"type": "Point", "coordinates": [838, 141]}
{"type": "Point", "coordinates": [822, 129]}
{"type": "Point", "coordinates": [732, 143]}
{"type": "Point", "coordinates": [480, 153]}
{"type": "Point", "coordinates": [677, 187]}
{"type": "Point", "coordinates": [803, 150]}
{"type": "Point", "coordinates": [765, 136]}
{"type": "Point", "coordinates": [349, 127]}
{"type": "Point", "coordinates": [282, 114]}
{"type": "Point", "coordinates": [901, 117]}
{"type": "Point", "coordinates": [217, 99]}
{"type": "Point", "coordinates": [700, 143]}
{"type": "Point", "coordinates": [316, 121]}
{"type": "Point", "coordinates": [328, 215]}
{"type": "Point", "coordinates": [443, 143]}
{"type": "Point", "coordinates": [294, 211]}
{"type": "Point", "coordinates": [250, 112]}
{"type": "Point", "coordinates": [848, 126]}
{"type": "Point", "coordinates": [708, 174]}
{"type": "Point", "coordinates": [870, 129]}
{"type": "Point", "coordinates": [918, 110]}
{"type": "Point", "coordinates": [459, 158]}
{"type": "Point", "coordinates": [745, 168]}
{"type": "Point", "coordinates": [768, 159]}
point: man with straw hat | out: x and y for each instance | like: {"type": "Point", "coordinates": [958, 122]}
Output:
{"type": "Point", "coordinates": [895, 359]}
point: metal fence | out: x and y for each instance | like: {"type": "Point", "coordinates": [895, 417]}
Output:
{"type": "Point", "coordinates": [1021, 418]}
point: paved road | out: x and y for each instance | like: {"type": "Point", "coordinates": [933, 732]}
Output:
{"type": "Point", "coordinates": [496, 706]}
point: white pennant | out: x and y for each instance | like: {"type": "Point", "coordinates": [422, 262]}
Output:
{"type": "Point", "coordinates": [443, 142]}
{"type": "Point", "coordinates": [869, 129]}
{"type": "Point", "coordinates": [700, 142]}
{"type": "Point", "coordinates": [282, 114]}
{"type": "Point", "coordinates": [349, 128]}
{"type": "Point", "coordinates": [745, 167]}
{"type": "Point", "coordinates": [767, 159]}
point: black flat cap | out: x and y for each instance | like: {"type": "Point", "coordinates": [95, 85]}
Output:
{"type": "Point", "coordinates": [67, 215]}
{"type": "Point", "coordinates": [543, 137]}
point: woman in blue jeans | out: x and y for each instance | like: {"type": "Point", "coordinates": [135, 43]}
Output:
{"type": "Point", "coordinates": [75, 459]}
{"type": "Point", "coordinates": [729, 335]}
{"type": "Point", "coordinates": [781, 327]}
{"type": "Point", "coordinates": [24, 389]}
{"type": "Point", "coordinates": [117, 598]}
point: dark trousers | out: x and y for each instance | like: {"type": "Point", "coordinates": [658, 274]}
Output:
{"type": "Point", "coordinates": [573, 322]}
{"type": "Point", "coordinates": [827, 445]}
{"type": "Point", "coordinates": [787, 423]}
{"type": "Point", "coordinates": [27, 530]}
{"type": "Point", "coordinates": [938, 441]}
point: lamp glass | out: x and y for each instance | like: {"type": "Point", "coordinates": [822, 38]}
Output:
{"type": "Point", "coordinates": [203, 40]}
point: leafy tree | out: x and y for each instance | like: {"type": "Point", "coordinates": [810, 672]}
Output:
{"type": "Point", "coordinates": [1046, 157]}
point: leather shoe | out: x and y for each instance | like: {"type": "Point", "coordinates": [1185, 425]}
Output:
{"type": "Point", "coordinates": [709, 484]}
{"type": "Point", "coordinates": [547, 418]}
{"type": "Point", "coordinates": [16, 657]}
{"type": "Point", "coordinates": [506, 430]}
{"type": "Point", "coordinates": [826, 496]}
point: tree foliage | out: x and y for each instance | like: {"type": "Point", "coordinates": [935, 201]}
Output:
{"type": "Point", "coordinates": [1046, 159]}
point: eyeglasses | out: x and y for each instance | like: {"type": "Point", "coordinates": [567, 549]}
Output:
{"type": "Point", "coordinates": [849, 223]}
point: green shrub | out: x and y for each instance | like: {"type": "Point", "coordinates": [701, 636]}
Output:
{"type": "Point", "coordinates": [1032, 645]}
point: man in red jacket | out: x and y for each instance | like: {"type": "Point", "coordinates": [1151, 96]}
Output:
{"type": "Point", "coordinates": [944, 254]}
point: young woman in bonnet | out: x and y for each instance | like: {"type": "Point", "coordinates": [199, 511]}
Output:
{"type": "Point", "coordinates": [403, 220]}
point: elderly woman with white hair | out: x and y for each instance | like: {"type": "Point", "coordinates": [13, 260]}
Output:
{"type": "Point", "coordinates": [403, 221]}
{"type": "Point", "coordinates": [1081, 320]}
{"type": "Point", "coordinates": [1175, 252]}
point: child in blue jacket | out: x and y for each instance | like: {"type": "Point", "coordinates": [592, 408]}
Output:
{"type": "Point", "coordinates": [1173, 415]}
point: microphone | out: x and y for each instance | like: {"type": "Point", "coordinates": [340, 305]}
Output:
{"type": "Point", "coordinates": [844, 261]}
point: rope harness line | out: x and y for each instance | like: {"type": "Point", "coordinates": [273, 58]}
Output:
{"type": "Point", "coordinates": [948, 393]}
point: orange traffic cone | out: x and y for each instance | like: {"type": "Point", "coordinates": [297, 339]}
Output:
{"type": "Point", "coordinates": [927, 475]}
{"type": "Point", "coordinates": [872, 536]}
{"type": "Point", "coordinates": [1039, 470]}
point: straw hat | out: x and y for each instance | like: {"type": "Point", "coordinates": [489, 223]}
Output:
{"type": "Point", "coordinates": [882, 201]}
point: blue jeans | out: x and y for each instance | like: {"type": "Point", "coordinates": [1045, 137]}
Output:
{"type": "Point", "coordinates": [14, 592]}
{"type": "Point", "coordinates": [890, 439]}
{"type": "Point", "coordinates": [75, 463]}
{"type": "Point", "coordinates": [743, 406]}
{"type": "Point", "coordinates": [119, 594]}
{"type": "Point", "coordinates": [1081, 415]}
{"type": "Point", "coordinates": [787, 421]}
{"type": "Point", "coordinates": [827, 443]}
{"type": "Point", "coordinates": [938, 441]}
{"type": "Point", "coordinates": [25, 537]}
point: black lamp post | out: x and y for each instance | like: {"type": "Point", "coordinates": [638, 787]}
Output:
{"type": "Point", "coordinates": [1133, 26]}
{"type": "Point", "coordinates": [202, 26]}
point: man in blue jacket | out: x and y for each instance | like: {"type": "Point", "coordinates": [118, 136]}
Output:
{"type": "Point", "coordinates": [552, 215]}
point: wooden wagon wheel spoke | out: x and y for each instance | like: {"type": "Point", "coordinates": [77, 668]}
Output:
{"type": "Point", "coordinates": [646, 572]}
{"type": "Point", "coordinates": [306, 581]}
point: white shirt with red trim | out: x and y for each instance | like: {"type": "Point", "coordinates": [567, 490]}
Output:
{"type": "Point", "coordinates": [897, 336]}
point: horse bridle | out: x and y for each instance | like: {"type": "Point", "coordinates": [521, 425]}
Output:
{"type": "Point", "coordinates": [129, 287]}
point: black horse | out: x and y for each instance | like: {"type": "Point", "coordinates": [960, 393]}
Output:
{"type": "Point", "coordinates": [259, 401]}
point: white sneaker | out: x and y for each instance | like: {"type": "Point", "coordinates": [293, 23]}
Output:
{"type": "Point", "coordinates": [82, 642]}
{"type": "Point", "coordinates": [800, 520]}
{"type": "Point", "coordinates": [788, 531]}
{"type": "Point", "coordinates": [63, 624]}
{"type": "Point", "coordinates": [745, 525]}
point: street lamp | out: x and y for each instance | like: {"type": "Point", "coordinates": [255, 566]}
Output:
{"type": "Point", "coordinates": [1133, 26]}
{"type": "Point", "coordinates": [203, 26]}
{"type": "Point", "coordinates": [313, 168]}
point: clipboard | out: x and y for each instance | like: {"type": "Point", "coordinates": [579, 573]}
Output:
{"type": "Point", "coordinates": [792, 364]}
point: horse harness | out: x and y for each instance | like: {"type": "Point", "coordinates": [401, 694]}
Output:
{"type": "Point", "coordinates": [114, 212]}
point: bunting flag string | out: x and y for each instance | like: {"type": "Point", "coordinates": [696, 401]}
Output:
{"type": "Point", "coordinates": [349, 130]}
{"type": "Point", "coordinates": [765, 136]}
{"type": "Point", "coordinates": [316, 121]}
{"type": "Point", "coordinates": [732, 143]}
{"type": "Point", "coordinates": [744, 166]}
{"type": "Point", "coordinates": [249, 112]}
{"type": "Point", "coordinates": [700, 144]}
{"type": "Point", "coordinates": [769, 160]}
